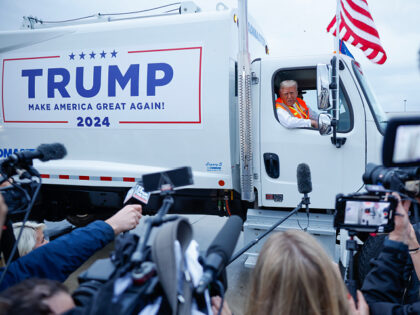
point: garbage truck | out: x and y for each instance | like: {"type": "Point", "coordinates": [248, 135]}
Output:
{"type": "Point", "coordinates": [130, 96]}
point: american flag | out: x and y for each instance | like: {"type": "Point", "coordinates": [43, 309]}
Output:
{"type": "Point", "coordinates": [358, 29]}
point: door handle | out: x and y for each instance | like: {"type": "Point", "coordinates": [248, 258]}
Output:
{"type": "Point", "coordinates": [272, 164]}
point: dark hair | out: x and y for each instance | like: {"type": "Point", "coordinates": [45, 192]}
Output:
{"type": "Point", "coordinates": [28, 297]}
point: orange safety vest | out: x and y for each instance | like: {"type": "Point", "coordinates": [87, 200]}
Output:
{"type": "Point", "coordinates": [301, 113]}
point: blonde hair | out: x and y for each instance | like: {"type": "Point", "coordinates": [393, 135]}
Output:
{"type": "Point", "coordinates": [295, 276]}
{"type": "Point", "coordinates": [27, 241]}
{"type": "Point", "coordinates": [288, 83]}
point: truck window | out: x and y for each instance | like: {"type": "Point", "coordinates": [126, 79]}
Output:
{"type": "Point", "coordinates": [376, 108]}
{"type": "Point", "coordinates": [306, 79]}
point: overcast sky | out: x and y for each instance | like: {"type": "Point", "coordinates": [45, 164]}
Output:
{"type": "Point", "coordinates": [290, 28]}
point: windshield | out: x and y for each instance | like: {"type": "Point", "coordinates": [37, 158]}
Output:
{"type": "Point", "coordinates": [376, 108]}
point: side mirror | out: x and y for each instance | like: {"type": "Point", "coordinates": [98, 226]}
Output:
{"type": "Point", "coordinates": [323, 87]}
{"type": "Point", "coordinates": [324, 124]}
{"type": "Point", "coordinates": [401, 142]}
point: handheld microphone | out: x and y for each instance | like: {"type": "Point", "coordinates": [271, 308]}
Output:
{"type": "Point", "coordinates": [137, 195]}
{"type": "Point", "coordinates": [44, 152]}
{"type": "Point", "coordinates": [304, 182]}
{"type": "Point", "coordinates": [220, 251]}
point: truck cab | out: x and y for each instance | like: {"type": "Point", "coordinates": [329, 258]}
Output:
{"type": "Point", "coordinates": [278, 150]}
{"type": "Point", "coordinates": [336, 164]}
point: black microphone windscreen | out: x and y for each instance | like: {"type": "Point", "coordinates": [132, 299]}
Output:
{"type": "Point", "coordinates": [304, 182]}
{"type": "Point", "coordinates": [225, 241]}
{"type": "Point", "coordinates": [54, 151]}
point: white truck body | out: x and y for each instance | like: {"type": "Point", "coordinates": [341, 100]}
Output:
{"type": "Point", "coordinates": [160, 93]}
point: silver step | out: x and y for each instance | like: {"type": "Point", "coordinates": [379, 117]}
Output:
{"type": "Point", "coordinates": [258, 221]}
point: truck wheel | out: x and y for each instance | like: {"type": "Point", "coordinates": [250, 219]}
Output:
{"type": "Point", "coordinates": [370, 250]}
{"type": "Point", "coordinates": [80, 220]}
{"type": "Point", "coordinates": [84, 219]}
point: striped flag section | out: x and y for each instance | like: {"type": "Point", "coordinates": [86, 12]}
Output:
{"type": "Point", "coordinates": [358, 29]}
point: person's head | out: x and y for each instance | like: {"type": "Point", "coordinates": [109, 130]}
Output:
{"type": "Point", "coordinates": [288, 92]}
{"type": "Point", "coordinates": [36, 297]}
{"type": "Point", "coordinates": [32, 236]}
{"type": "Point", "coordinates": [295, 276]}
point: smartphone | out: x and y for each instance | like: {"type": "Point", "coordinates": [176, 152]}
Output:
{"type": "Point", "coordinates": [365, 213]}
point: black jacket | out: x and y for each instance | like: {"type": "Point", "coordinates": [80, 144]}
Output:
{"type": "Point", "coordinates": [389, 287]}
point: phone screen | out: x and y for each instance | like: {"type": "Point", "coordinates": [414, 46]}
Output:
{"type": "Point", "coordinates": [368, 213]}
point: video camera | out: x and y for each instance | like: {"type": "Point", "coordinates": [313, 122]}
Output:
{"type": "Point", "coordinates": [374, 211]}
{"type": "Point", "coordinates": [24, 178]}
{"type": "Point", "coordinates": [401, 158]}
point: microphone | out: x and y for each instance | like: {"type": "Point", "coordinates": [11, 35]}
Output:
{"type": "Point", "coordinates": [44, 152]}
{"type": "Point", "coordinates": [304, 183]}
{"type": "Point", "coordinates": [220, 251]}
{"type": "Point", "coordinates": [137, 195]}
{"type": "Point", "coordinates": [304, 178]}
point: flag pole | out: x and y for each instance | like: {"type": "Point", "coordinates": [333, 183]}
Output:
{"type": "Point", "coordinates": [337, 62]}
{"type": "Point", "coordinates": [335, 90]}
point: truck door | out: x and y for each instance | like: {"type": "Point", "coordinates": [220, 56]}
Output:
{"type": "Point", "coordinates": [333, 170]}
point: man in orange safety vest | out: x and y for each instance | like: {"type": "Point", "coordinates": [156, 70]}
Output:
{"type": "Point", "coordinates": [292, 111]}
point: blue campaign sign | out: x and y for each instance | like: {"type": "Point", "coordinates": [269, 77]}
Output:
{"type": "Point", "coordinates": [107, 88]}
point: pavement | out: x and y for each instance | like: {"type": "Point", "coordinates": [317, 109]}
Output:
{"type": "Point", "coordinates": [205, 228]}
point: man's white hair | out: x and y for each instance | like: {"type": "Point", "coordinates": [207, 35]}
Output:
{"type": "Point", "coordinates": [288, 83]}
{"type": "Point", "coordinates": [27, 241]}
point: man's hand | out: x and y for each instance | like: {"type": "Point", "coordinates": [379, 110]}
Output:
{"type": "Point", "coordinates": [314, 123]}
{"type": "Point", "coordinates": [6, 183]}
{"type": "Point", "coordinates": [216, 302]}
{"type": "Point", "coordinates": [362, 307]}
{"type": "Point", "coordinates": [403, 231]}
{"type": "Point", "coordinates": [126, 219]}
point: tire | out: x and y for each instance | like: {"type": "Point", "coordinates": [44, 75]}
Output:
{"type": "Point", "coordinates": [80, 220]}
{"type": "Point", "coordinates": [370, 250]}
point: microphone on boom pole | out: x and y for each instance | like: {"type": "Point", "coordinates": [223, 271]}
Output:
{"type": "Point", "coordinates": [44, 152]}
{"type": "Point", "coordinates": [23, 159]}
{"type": "Point", "coordinates": [305, 187]}
{"type": "Point", "coordinates": [304, 183]}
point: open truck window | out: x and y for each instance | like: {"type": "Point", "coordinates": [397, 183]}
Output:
{"type": "Point", "coordinates": [306, 79]}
